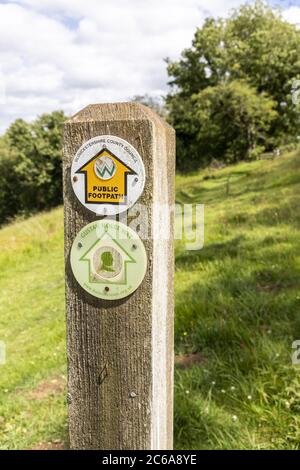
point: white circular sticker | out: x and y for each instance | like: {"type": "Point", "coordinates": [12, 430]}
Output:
{"type": "Point", "coordinates": [108, 259]}
{"type": "Point", "coordinates": [107, 175]}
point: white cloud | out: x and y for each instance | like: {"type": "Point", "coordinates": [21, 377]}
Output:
{"type": "Point", "coordinates": [64, 54]}
{"type": "Point", "coordinates": [292, 15]}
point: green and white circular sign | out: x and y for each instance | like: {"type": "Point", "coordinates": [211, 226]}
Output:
{"type": "Point", "coordinates": [108, 259]}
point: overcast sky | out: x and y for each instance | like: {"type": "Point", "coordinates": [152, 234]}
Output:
{"type": "Point", "coordinates": [65, 54]}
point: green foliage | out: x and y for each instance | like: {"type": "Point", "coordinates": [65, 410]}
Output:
{"type": "Point", "coordinates": [9, 197]}
{"type": "Point", "coordinates": [255, 45]}
{"type": "Point", "coordinates": [234, 122]}
{"type": "Point", "coordinates": [31, 166]}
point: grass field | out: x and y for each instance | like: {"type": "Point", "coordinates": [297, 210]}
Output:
{"type": "Point", "coordinates": [237, 310]}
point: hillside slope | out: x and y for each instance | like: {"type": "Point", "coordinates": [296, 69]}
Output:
{"type": "Point", "coordinates": [237, 307]}
{"type": "Point", "coordinates": [237, 302]}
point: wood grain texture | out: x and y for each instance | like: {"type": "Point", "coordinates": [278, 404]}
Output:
{"type": "Point", "coordinates": [120, 353]}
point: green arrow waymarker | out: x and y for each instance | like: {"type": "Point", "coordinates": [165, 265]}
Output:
{"type": "Point", "coordinates": [108, 259]}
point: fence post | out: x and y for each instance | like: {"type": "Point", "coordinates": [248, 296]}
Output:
{"type": "Point", "coordinates": [120, 352]}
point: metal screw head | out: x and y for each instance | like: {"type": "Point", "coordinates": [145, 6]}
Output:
{"type": "Point", "coordinates": [106, 289]}
{"type": "Point", "coordinates": [136, 179]}
{"type": "Point", "coordinates": [79, 245]}
{"type": "Point", "coordinates": [134, 247]}
{"type": "Point", "coordinates": [75, 179]}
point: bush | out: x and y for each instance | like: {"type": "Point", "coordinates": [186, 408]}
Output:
{"type": "Point", "coordinates": [254, 46]}
{"type": "Point", "coordinates": [233, 121]}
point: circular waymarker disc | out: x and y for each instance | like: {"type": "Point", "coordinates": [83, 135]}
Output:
{"type": "Point", "coordinates": [108, 259]}
{"type": "Point", "coordinates": [107, 175]}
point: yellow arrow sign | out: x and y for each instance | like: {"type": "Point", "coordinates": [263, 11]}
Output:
{"type": "Point", "coordinates": [105, 178]}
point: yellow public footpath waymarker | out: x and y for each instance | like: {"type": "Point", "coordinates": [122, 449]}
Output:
{"type": "Point", "coordinates": [108, 259]}
{"type": "Point", "coordinates": [111, 172]}
{"type": "Point", "coordinates": [108, 175]}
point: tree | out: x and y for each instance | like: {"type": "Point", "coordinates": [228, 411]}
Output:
{"type": "Point", "coordinates": [255, 46]}
{"type": "Point", "coordinates": [9, 194]}
{"type": "Point", "coordinates": [154, 103]}
{"type": "Point", "coordinates": [234, 121]}
{"type": "Point", "coordinates": [38, 169]}
{"type": "Point", "coordinates": [30, 159]}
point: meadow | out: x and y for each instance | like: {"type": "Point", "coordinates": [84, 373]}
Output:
{"type": "Point", "coordinates": [237, 314]}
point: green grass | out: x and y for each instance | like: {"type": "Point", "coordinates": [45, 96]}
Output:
{"type": "Point", "coordinates": [33, 328]}
{"type": "Point", "coordinates": [237, 303]}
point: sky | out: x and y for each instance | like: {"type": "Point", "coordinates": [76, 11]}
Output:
{"type": "Point", "coordinates": [66, 54]}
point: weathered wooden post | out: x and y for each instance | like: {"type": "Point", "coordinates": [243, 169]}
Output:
{"type": "Point", "coordinates": [119, 342]}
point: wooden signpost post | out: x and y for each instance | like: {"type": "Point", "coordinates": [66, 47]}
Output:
{"type": "Point", "coordinates": [119, 309]}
